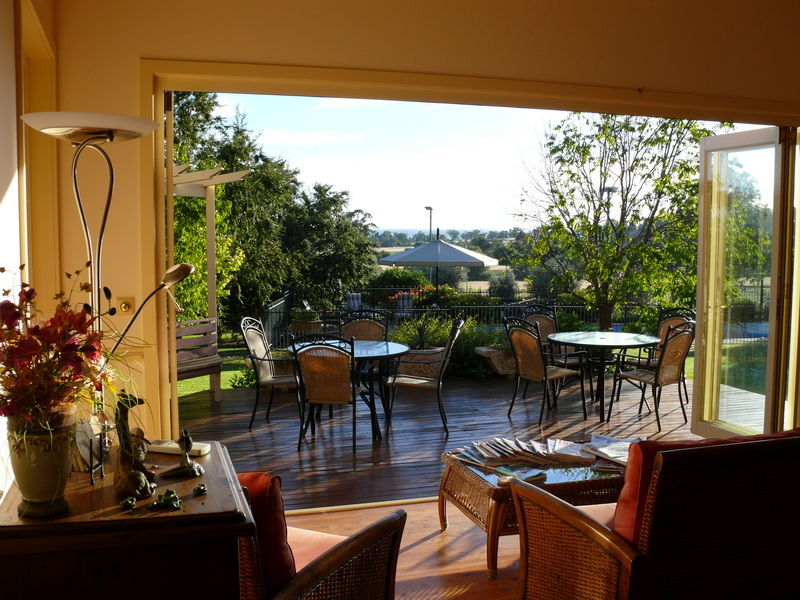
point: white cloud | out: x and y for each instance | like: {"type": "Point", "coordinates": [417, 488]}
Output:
{"type": "Point", "coordinates": [225, 110]}
{"type": "Point", "coordinates": [271, 138]}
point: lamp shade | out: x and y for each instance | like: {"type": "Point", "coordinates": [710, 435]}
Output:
{"type": "Point", "coordinates": [176, 273]}
{"type": "Point", "coordinates": [79, 126]}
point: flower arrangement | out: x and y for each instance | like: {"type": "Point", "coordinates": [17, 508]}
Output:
{"type": "Point", "coordinates": [47, 365]}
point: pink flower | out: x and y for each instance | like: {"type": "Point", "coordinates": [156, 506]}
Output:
{"type": "Point", "coordinates": [47, 364]}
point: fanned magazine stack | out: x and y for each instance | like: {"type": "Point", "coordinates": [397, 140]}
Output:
{"type": "Point", "coordinates": [601, 452]}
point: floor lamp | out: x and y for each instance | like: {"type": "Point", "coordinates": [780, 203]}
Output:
{"type": "Point", "coordinates": [88, 131]}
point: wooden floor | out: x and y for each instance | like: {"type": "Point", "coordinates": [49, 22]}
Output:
{"type": "Point", "coordinates": [405, 463]}
{"type": "Point", "coordinates": [433, 564]}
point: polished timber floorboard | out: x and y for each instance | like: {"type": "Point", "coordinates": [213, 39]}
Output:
{"type": "Point", "coordinates": [405, 464]}
{"type": "Point", "coordinates": [433, 564]}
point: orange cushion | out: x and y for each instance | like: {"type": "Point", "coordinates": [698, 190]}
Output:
{"type": "Point", "coordinates": [307, 545]}
{"type": "Point", "coordinates": [639, 471]}
{"type": "Point", "coordinates": [277, 562]}
{"type": "Point", "coordinates": [602, 513]}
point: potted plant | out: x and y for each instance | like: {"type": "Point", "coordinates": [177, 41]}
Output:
{"type": "Point", "coordinates": [47, 367]}
{"type": "Point", "coordinates": [426, 335]}
{"type": "Point", "coordinates": [305, 320]}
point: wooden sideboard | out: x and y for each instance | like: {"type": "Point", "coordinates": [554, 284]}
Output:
{"type": "Point", "coordinates": [98, 549]}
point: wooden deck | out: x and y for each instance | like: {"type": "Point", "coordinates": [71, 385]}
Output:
{"type": "Point", "coordinates": [405, 463]}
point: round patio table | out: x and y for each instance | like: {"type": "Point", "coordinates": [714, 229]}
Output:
{"type": "Point", "coordinates": [604, 342]}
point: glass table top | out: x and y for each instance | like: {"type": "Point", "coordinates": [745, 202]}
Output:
{"type": "Point", "coordinates": [603, 339]}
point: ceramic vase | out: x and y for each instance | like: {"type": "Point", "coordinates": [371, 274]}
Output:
{"type": "Point", "coordinates": [41, 461]}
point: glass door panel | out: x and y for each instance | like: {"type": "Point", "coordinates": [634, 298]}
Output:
{"type": "Point", "coordinates": [738, 193]}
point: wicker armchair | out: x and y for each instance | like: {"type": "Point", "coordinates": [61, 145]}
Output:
{"type": "Point", "coordinates": [326, 372]}
{"type": "Point", "coordinates": [264, 364]}
{"type": "Point", "coordinates": [362, 567]}
{"type": "Point", "coordinates": [426, 383]}
{"type": "Point", "coordinates": [713, 521]}
{"type": "Point", "coordinates": [531, 359]}
{"type": "Point", "coordinates": [669, 369]}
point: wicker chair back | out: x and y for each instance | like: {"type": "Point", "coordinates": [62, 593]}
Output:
{"type": "Point", "coordinates": [673, 352]}
{"type": "Point", "coordinates": [362, 567]}
{"type": "Point", "coordinates": [527, 348]}
{"type": "Point", "coordinates": [326, 370]}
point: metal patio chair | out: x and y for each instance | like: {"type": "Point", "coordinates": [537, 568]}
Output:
{"type": "Point", "coordinates": [263, 363]}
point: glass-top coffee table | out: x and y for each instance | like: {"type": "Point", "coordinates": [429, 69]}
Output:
{"type": "Point", "coordinates": [484, 495]}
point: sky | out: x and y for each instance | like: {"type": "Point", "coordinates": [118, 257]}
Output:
{"type": "Point", "coordinates": [471, 164]}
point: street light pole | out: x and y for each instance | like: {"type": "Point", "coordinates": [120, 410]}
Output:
{"type": "Point", "coordinates": [430, 222]}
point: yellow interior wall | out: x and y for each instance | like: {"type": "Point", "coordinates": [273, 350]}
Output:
{"type": "Point", "coordinates": [678, 59]}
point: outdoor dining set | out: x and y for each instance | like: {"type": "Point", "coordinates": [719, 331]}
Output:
{"type": "Point", "coordinates": [338, 369]}
{"type": "Point", "coordinates": [358, 362]}
{"type": "Point", "coordinates": [544, 354]}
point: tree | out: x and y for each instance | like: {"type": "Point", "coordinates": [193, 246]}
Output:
{"type": "Point", "coordinates": [616, 205]}
{"type": "Point", "coordinates": [329, 249]}
{"type": "Point", "coordinates": [198, 134]}
{"type": "Point", "coordinates": [272, 235]}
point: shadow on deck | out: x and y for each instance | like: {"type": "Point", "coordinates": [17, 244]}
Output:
{"type": "Point", "coordinates": [405, 463]}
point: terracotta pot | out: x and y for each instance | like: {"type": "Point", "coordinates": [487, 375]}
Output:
{"type": "Point", "coordinates": [430, 370]}
{"type": "Point", "coordinates": [41, 461]}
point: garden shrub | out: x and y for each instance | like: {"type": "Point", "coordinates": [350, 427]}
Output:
{"type": "Point", "coordinates": [504, 286]}
{"type": "Point", "coordinates": [399, 278]}
{"type": "Point", "coordinates": [432, 330]}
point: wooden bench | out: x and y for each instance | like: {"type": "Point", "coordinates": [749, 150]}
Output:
{"type": "Point", "coordinates": [198, 353]}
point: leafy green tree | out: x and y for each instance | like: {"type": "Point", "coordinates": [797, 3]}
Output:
{"type": "Point", "coordinates": [504, 286]}
{"type": "Point", "coordinates": [329, 249]}
{"type": "Point", "coordinates": [272, 235]}
{"type": "Point", "coordinates": [616, 201]}
{"type": "Point", "coordinates": [197, 136]}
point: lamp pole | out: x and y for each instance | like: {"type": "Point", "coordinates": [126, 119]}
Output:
{"type": "Point", "coordinates": [430, 222]}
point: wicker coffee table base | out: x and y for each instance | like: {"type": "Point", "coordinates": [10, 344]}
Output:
{"type": "Point", "coordinates": [491, 507]}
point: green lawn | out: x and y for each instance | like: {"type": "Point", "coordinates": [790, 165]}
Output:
{"type": "Point", "coordinates": [744, 366]}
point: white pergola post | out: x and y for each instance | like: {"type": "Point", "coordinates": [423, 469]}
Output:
{"type": "Point", "coordinates": [202, 184]}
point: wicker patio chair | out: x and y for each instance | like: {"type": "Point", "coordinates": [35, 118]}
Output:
{"type": "Point", "coordinates": [362, 567]}
{"type": "Point", "coordinates": [426, 383]}
{"type": "Point", "coordinates": [669, 369]}
{"type": "Point", "coordinates": [326, 372]}
{"type": "Point", "coordinates": [534, 363]}
{"type": "Point", "coordinates": [364, 325]}
{"type": "Point", "coordinates": [647, 358]}
{"type": "Point", "coordinates": [263, 363]}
